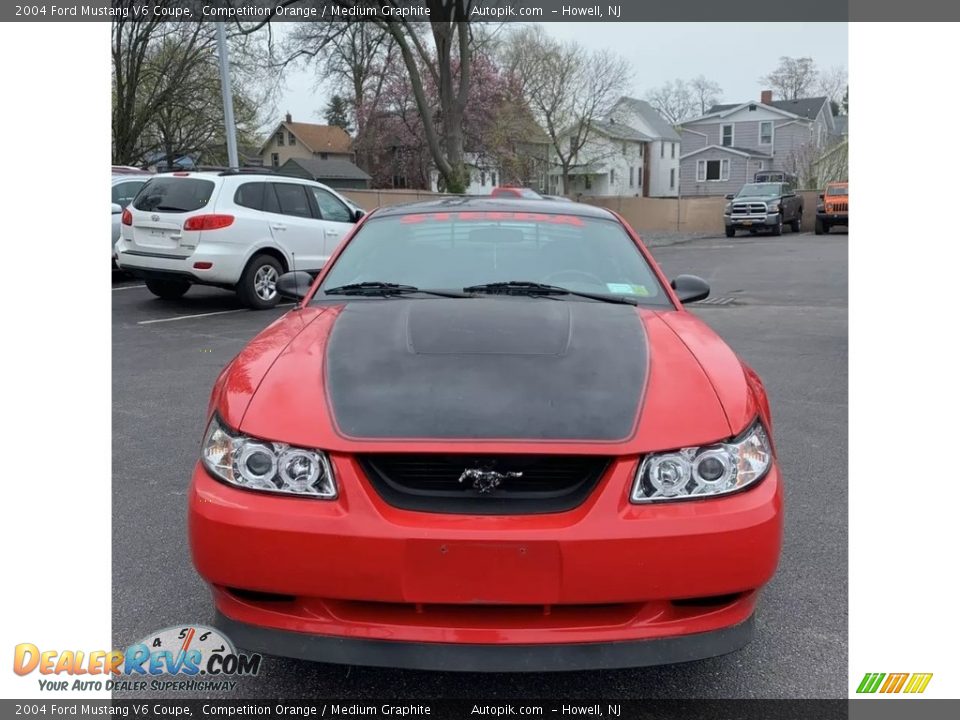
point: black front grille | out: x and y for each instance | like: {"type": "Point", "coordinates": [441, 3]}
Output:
{"type": "Point", "coordinates": [525, 484]}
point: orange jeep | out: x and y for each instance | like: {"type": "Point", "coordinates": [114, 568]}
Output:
{"type": "Point", "coordinates": [832, 208]}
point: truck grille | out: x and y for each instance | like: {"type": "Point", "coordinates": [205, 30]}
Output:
{"type": "Point", "coordinates": [748, 209]}
{"type": "Point", "coordinates": [837, 207]}
{"type": "Point", "coordinates": [528, 484]}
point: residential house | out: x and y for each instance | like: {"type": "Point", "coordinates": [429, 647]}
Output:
{"type": "Point", "coordinates": [483, 174]}
{"type": "Point", "coordinates": [723, 149]}
{"type": "Point", "coordinates": [335, 172]}
{"type": "Point", "coordinates": [632, 151]}
{"type": "Point", "coordinates": [305, 141]}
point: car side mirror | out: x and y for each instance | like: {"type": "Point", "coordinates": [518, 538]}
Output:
{"type": "Point", "coordinates": [689, 288]}
{"type": "Point", "coordinates": [115, 209]}
{"type": "Point", "coordinates": [294, 285]}
{"type": "Point", "coordinates": [358, 214]}
{"type": "Point", "coordinates": [821, 196]}
{"type": "Point", "coordinates": [729, 196]}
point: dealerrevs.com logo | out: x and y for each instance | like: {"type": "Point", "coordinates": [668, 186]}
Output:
{"type": "Point", "coordinates": [186, 657]}
{"type": "Point", "coordinates": [911, 683]}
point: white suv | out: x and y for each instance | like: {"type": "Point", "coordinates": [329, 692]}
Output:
{"type": "Point", "coordinates": [232, 229]}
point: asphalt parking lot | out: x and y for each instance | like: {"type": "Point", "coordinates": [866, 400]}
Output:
{"type": "Point", "coordinates": [782, 307]}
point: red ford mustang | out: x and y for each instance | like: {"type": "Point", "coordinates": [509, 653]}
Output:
{"type": "Point", "coordinates": [489, 437]}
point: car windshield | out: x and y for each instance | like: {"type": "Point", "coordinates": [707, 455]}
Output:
{"type": "Point", "coordinates": [837, 190]}
{"type": "Point", "coordinates": [457, 250]}
{"type": "Point", "coordinates": [760, 190]}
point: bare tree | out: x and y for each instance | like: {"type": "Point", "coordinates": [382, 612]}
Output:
{"type": "Point", "coordinates": [832, 82]}
{"type": "Point", "coordinates": [166, 87]}
{"type": "Point", "coordinates": [568, 89]}
{"type": "Point", "coordinates": [674, 100]}
{"type": "Point", "coordinates": [706, 93]}
{"type": "Point", "coordinates": [440, 52]}
{"type": "Point", "coordinates": [793, 78]}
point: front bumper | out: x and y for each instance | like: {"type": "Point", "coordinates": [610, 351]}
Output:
{"type": "Point", "coordinates": [487, 658]}
{"type": "Point", "coordinates": [751, 221]}
{"type": "Point", "coordinates": [832, 218]}
{"type": "Point", "coordinates": [355, 571]}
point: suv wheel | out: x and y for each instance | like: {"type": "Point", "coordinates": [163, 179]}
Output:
{"type": "Point", "coordinates": [795, 224]}
{"type": "Point", "coordinates": [819, 227]}
{"type": "Point", "coordinates": [258, 285]}
{"type": "Point", "coordinates": [168, 289]}
{"type": "Point", "coordinates": [778, 228]}
{"type": "Point", "coordinates": [731, 231]}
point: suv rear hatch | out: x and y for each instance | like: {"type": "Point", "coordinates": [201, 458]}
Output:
{"type": "Point", "coordinates": [161, 210]}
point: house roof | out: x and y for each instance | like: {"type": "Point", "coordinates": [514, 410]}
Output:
{"type": "Point", "coordinates": [316, 138]}
{"type": "Point", "coordinates": [330, 169]}
{"type": "Point", "coordinates": [661, 128]}
{"type": "Point", "coordinates": [802, 107]}
{"type": "Point", "coordinates": [744, 152]}
{"type": "Point", "coordinates": [620, 131]}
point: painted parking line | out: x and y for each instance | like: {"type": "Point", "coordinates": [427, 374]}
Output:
{"type": "Point", "coordinates": [128, 287]}
{"type": "Point", "coordinates": [199, 315]}
{"type": "Point", "coordinates": [190, 317]}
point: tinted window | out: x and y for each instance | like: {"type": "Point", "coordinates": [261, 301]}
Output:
{"type": "Point", "coordinates": [452, 250]}
{"type": "Point", "coordinates": [250, 195]}
{"type": "Point", "coordinates": [293, 199]}
{"type": "Point", "coordinates": [124, 192]}
{"type": "Point", "coordinates": [174, 194]}
{"type": "Point", "coordinates": [330, 207]}
{"type": "Point", "coordinates": [837, 190]}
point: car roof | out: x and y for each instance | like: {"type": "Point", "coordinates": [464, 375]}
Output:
{"type": "Point", "coordinates": [497, 204]}
{"type": "Point", "coordinates": [129, 177]}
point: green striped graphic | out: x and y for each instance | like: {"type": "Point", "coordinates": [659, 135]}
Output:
{"type": "Point", "coordinates": [870, 682]}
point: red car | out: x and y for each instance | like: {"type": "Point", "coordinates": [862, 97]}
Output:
{"type": "Point", "coordinates": [489, 437]}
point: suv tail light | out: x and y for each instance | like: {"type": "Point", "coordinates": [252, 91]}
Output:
{"type": "Point", "coordinates": [127, 217]}
{"type": "Point", "coordinates": [208, 222]}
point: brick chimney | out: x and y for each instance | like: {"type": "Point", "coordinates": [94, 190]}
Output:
{"type": "Point", "coordinates": [766, 97]}
{"type": "Point", "coordinates": [289, 117]}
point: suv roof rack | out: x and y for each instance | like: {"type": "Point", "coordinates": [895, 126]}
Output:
{"type": "Point", "coordinates": [221, 170]}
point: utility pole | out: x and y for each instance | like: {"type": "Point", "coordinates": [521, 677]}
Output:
{"type": "Point", "coordinates": [230, 124]}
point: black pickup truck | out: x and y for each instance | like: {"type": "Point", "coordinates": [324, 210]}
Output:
{"type": "Point", "coordinates": [764, 206]}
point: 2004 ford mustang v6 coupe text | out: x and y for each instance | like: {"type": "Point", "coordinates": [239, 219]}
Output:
{"type": "Point", "coordinates": [489, 437]}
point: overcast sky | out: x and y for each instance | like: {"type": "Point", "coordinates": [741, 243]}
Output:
{"type": "Point", "coordinates": [734, 55]}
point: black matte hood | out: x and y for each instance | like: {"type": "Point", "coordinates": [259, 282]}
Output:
{"type": "Point", "coordinates": [486, 368]}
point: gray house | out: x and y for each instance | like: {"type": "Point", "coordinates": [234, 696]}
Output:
{"type": "Point", "coordinates": [720, 151]}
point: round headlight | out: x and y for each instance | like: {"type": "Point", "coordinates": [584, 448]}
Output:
{"type": "Point", "coordinates": [256, 464]}
{"type": "Point", "coordinates": [306, 472]}
{"type": "Point", "coordinates": [712, 468]}
{"type": "Point", "coordinates": [669, 474]}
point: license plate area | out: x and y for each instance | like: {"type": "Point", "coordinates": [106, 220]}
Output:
{"type": "Point", "coordinates": [517, 573]}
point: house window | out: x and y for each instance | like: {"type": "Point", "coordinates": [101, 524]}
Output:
{"type": "Point", "coordinates": [291, 140]}
{"type": "Point", "coordinates": [673, 150]}
{"type": "Point", "coordinates": [760, 167]}
{"type": "Point", "coordinates": [483, 178]}
{"type": "Point", "coordinates": [280, 139]}
{"type": "Point", "coordinates": [493, 178]}
{"type": "Point", "coordinates": [275, 159]}
{"type": "Point", "coordinates": [631, 176]}
{"type": "Point", "coordinates": [587, 182]}
{"type": "Point", "coordinates": [766, 132]}
{"type": "Point", "coordinates": [673, 177]}
{"type": "Point", "coordinates": [641, 152]}
{"type": "Point", "coordinates": [611, 176]}
{"type": "Point", "coordinates": [726, 135]}
{"type": "Point", "coordinates": [661, 147]}
{"type": "Point", "coordinates": [713, 170]}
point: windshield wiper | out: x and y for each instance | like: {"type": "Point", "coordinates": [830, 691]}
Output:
{"type": "Point", "coordinates": [525, 287]}
{"type": "Point", "coordinates": [376, 287]}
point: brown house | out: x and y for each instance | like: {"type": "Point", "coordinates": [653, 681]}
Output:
{"type": "Point", "coordinates": [306, 141]}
